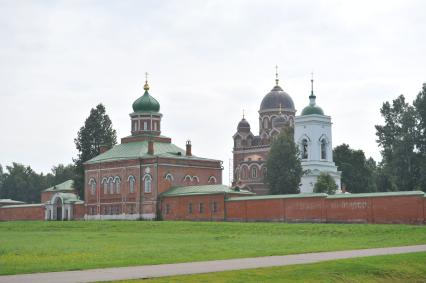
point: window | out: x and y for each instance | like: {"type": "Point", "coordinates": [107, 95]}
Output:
{"type": "Point", "coordinates": [111, 186]}
{"type": "Point", "coordinates": [244, 173]}
{"type": "Point", "coordinates": [214, 207]}
{"type": "Point", "coordinates": [190, 208]}
{"type": "Point", "coordinates": [201, 207]}
{"type": "Point", "coordinates": [117, 185]}
{"type": "Point", "coordinates": [212, 180]}
{"type": "Point", "coordinates": [167, 208]}
{"type": "Point", "coordinates": [169, 177]}
{"type": "Point", "coordinates": [195, 179]}
{"type": "Point", "coordinates": [92, 184]}
{"type": "Point", "coordinates": [265, 123]}
{"type": "Point", "coordinates": [155, 126]}
{"type": "Point", "coordinates": [105, 187]}
{"type": "Point", "coordinates": [253, 172]}
{"type": "Point", "coordinates": [147, 183]}
{"type": "Point", "coordinates": [304, 149]}
{"type": "Point", "coordinates": [131, 184]}
{"type": "Point", "coordinates": [145, 125]}
{"type": "Point", "coordinates": [323, 149]}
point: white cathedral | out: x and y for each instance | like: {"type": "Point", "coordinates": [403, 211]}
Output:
{"type": "Point", "coordinates": [312, 133]}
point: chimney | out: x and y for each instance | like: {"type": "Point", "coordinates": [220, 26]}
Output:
{"type": "Point", "coordinates": [151, 147]}
{"type": "Point", "coordinates": [103, 148]}
{"type": "Point", "coordinates": [188, 148]}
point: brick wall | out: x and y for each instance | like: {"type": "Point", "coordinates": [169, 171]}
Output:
{"type": "Point", "coordinates": [406, 209]}
{"type": "Point", "coordinates": [22, 212]}
{"type": "Point", "coordinates": [178, 208]}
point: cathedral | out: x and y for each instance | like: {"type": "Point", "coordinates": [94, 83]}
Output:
{"type": "Point", "coordinates": [312, 135]}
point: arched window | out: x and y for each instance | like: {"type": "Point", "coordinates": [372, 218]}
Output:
{"type": "Point", "coordinates": [304, 149]}
{"type": "Point", "coordinates": [105, 183]}
{"type": "Point", "coordinates": [169, 177]}
{"type": "Point", "coordinates": [253, 172]}
{"type": "Point", "coordinates": [110, 185]}
{"type": "Point", "coordinates": [187, 178]}
{"type": "Point", "coordinates": [117, 182]}
{"type": "Point", "coordinates": [212, 180]}
{"type": "Point", "coordinates": [131, 180]}
{"type": "Point", "coordinates": [195, 179]}
{"type": "Point", "coordinates": [244, 173]}
{"type": "Point", "coordinates": [147, 183]}
{"type": "Point", "coordinates": [92, 184]}
{"type": "Point", "coordinates": [265, 123]}
{"type": "Point", "coordinates": [323, 149]}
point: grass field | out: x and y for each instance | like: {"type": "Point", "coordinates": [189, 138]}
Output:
{"type": "Point", "coordinates": [27, 247]}
{"type": "Point", "coordinates": [393, 268]}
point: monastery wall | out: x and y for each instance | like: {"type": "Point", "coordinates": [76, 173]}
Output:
{"type": "Point", "coordinates": [22, 212]}
{"type": "Point", "coordinates": [366, 208]}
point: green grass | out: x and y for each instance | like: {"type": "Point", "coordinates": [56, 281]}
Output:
{"type": "Point", "coordinates": [393, 268]}
{"type": "Point", "coordinates": [27, 247]}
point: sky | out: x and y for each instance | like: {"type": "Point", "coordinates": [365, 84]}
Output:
{"type": "Point", "coordinates": [207, 60]}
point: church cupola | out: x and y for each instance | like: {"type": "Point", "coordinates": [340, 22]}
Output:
{"type": "Point", "coordinates": [243, 126]}
{"type": "Point", "coordinates": [312, 108]}
{"type": "Point", "coordinates": [146, 118]}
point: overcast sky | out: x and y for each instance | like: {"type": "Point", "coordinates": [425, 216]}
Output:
{"type": "Point", "coordinates": [208, 60]}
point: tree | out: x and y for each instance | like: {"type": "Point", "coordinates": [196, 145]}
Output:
{"type": "Point", "coordinates": [96, 132]}
{"type": "Point", "coordinates": [325, 184]}
{"type": "Point", "coordinates": [22, 183]}
{"type": "Point", "coordinates": [401, 141]}
{"type": "Point", "coordinates": [284, 166]}
{"type": "Point", "coordinates": [61, 173]}
{"type": "Point", "coordinates": [357, 172]}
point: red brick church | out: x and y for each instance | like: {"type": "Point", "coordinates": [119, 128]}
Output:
{"type": "Point", "coordinates": [125, 182]}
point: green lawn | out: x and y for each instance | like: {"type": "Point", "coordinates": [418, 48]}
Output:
{"type": "Point", "coordinates": [27, 247]}
{"type": "Point", "coordinates": [393, 268]}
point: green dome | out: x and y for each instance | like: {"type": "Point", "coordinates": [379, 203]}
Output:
{"type": "Point", "coordinates": [312, 108]}
{"type": "Point", "coordinates": [146, 103]}
{"type": "Point", "coordinates": [308, 110]}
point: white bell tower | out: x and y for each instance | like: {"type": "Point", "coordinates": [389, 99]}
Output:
{"type": "Point", "coordinates": [312, 134]}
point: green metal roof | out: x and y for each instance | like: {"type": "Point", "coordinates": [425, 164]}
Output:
{"type": "Point", "coordinates": [277, 197]}
{"type": "Point", "coordinates": [22, 205]}
{"type": "Point", "coordinates": [203, 190]}
{"type": "Point", "coordinates": [384, 194]}
{"type": "Point", "coordinates": [139, 149]}
{"type": "Point", "coordinates": [8, 201]}
{"type": "Point", "coordinates": [65, 186]}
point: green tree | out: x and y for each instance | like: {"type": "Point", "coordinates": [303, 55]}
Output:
{"type": "Point", "coordinates": [22, 183]}
{"type": "Point", "coordinates": [284, 166]}
{"type": "Point", "coordinates": [325, 184]}
{"type": "Point", "coordinates": [96, 132]}
{"type": "Point", "coordinates": [61, 173]}
{"type": "Point", "coordinates": [399, 138]}
{"type": "Point", "coordinates": [357, 172]}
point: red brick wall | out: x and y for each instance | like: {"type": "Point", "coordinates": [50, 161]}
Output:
{"type": "Point", "coordinates": [79, 211]}
{"type": "Point", "coordinates": [384, 209]}
{"type": "Point", "coordinates": [401, 209]}
{"type": "Point", "coordinates": [307, 209]}
{"type": "Point", "coordinates": [18, 212]}
{"type": "Point", "coordinates": [179, 207]}
{"type": "Point", "coordinates": [356, 210]}
{"type": "Point", "coordinates": [45, 196]}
